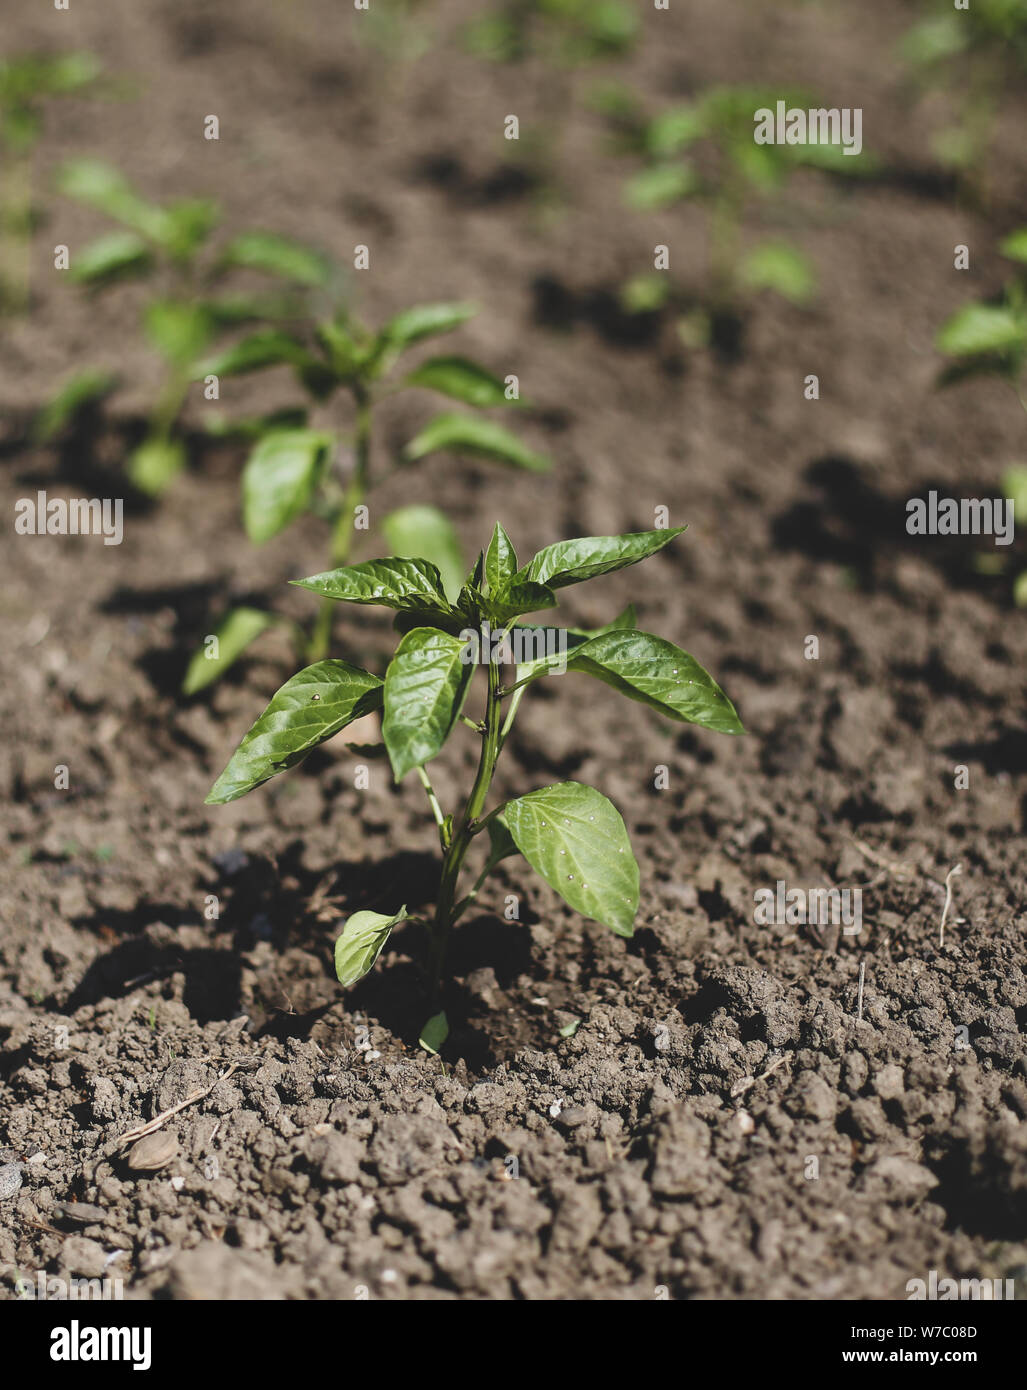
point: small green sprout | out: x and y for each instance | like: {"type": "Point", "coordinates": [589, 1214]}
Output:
{"type": "Point", "coordinates": [169, 245]}
{"type": "Point", "coordinates": [27, 84]}
{"type": "Point", "coordinates": [294, 469]}
{"type": "Point", "coordinates": [569, 833]}
{"type": "Point", "coordinates": [990, 339]}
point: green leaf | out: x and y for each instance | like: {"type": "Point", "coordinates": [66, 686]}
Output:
{"type": "Point", "coordinates": [574, 561]}
{"type": "Point", "coordinates": [1014, 246]}
{"type": "Point", "coordinates": [155, 464]}
{"type": "Point", "coordinates": [409, 586]}
{"type": "Point", "coordinates": [674, 130]}
{"type": "Point", "coordinates": [501, 842]}
{"type": "Point", "coordinates": [254, 427]}
{"type": "Point", "coordinates": [575, 839]}
{"type": "Point", "coordinates": [425, 531]}
{"type": "Point", "coordinates": [278, 255]}
{"type": "Point", "coordinates": [1020, 590]}
{"type": "Point", "coordinates": [779, 267]}
{"type": "Point", "coordinates": [645, 294]}
{"type": "Point", "coordinates": [308, 709]}
{"type": "Point", "coordinates": [978, 328]}
{"type": "Point", "coordinates": [660, 186]}
{"type": "Point", "coordinates": [463, 434]}
{"type": "Point", "coordinates": [517, 597]}
{"type": "Point", "coordinates": [658, 674]}
{"type": "Point", "coordinates": [569, 1029]}
{"type": "Point", "coordinates": [434, 1033]}
{"type": "Point", "coordinates": [279, 479]}
{"type": "Point", "coordinates": [234, 633]}
{"type": "Point", "coordinates": [81, 390]}
{"type": "Point", "coordinates": [363, 936]}
{"type": "Point", "coordinates": [101, 186]}
{"type": "Point", "coordinates": [500, 560]}
{"type": "Point", "coordinates": [460, 378]}
{"type": "Point", "coordinates": [424, 321]}
{"type": "Point", "coordinates": [186, 226]}
{"type": "Point", "coordinates": [109, 257]}
{"type": "Point", "coordinates": [1014, 486]}
{"type": "Point", "coordinates": [425, 688]}
{"type": "Point", "coordinates": [179, 331]}
{"type": "Point", "coordinates": [267, 347]}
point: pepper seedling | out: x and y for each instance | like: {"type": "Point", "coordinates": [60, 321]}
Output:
{"type": "Point", "coordinates": [169, 245]}
{"type": "Point", "coordinates": [990, 339]}
{"type": "Point", "coordinates": [704, 151]}
{"type": "Point", "coordinates": [296, 469]}
{"type": "Point", "coordinates": [27, 84]}
{"type": "Point", "coordinates": [970, 55]}
{"type": "Point", "coordinates": [569, 833]}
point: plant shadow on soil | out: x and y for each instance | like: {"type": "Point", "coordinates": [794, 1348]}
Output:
{"type": "Point", "coordinates": [282, 891]}
{"type": "Point", "coordinates": [851, 522]}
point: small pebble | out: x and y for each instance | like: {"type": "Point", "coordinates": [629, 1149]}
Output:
{"type": "Point", "coordinates": [85, 1212]}
{"type": "Point", "coordinates": [10, 1180]}
{"type": "Point", "coordinates": [152, 1152]}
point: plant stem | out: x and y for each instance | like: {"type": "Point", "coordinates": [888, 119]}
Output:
{"type": "Point", "coordinates": [446, 910]}
{"type": "Point", "coordinates": [342, 536]}
{"type": "Point", "coordinates": [436, 809]}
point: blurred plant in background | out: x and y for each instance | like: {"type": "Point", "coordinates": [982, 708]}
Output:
{"type": "Point", "coordinates": [27, 85]}
{"type": "Point", "coordinates": [970, 56]}
{"type": "Point", "coordinates": [294, 469]}
{"type": "Point", "coordinates": [990, 338]}
{"type": "Point", "coordinates": [567, 35]}
{"type": "Point", "coordinates": [1014, 486]}
{"type": "Point", "coordinates": [169, 247]}
{"type": "Point", "coordinates": [725, 171]}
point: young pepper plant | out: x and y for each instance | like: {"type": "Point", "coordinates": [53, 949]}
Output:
{"type": "Point", "coordinates": [971, 54]}
{"type": "Point", "coordinates": [704, 151]}
{"type": "Point", "coordinates": [990, 339]}
{"type": "Point", "coordinates": [569, 833]}
{"type": "Point", "coordinates": [169, 245]}
{"type": "Point", "coordinates": [297, 469]}
{"type": "Point", "coordinates": [27, 84]}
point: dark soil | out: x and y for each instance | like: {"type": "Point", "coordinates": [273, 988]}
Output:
{"type": "Point", "coordinates": [726, 1121]}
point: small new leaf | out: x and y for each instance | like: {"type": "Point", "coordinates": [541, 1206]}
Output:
{"type": "Point", "coordinates": [434, 1033]}
{"type": "Point", "coordinates": [364, 934]}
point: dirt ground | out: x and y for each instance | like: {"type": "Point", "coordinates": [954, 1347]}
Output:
{"type": "Point", "coordinates": [729, 1120]}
